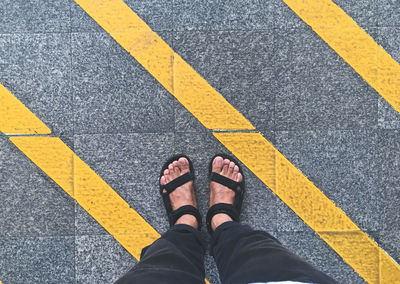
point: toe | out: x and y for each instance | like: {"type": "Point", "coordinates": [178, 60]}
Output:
{"type": "Point", "coordinates": [177, 170]}
{"type": "Point", "coordinates": [217, 164]}
{"type": "Point", "coordinates": [231, 167]}
{"type": "Point", "coordinates": [239, 177]}
{"type": "Point", "coordinates": [235, 172]}
{"type": "Point", "coordinates": [183, 164]}
{"type": "Point", "coordinates": [163, 180]}
{"type": "Point", "coordinates": [225, 167]}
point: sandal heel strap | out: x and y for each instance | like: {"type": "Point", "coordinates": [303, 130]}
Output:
{"type": "Point", "coordinates": [187, 209]}
{"type": "Point", "coordinates": [218, 208]}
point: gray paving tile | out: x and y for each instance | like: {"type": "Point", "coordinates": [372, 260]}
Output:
{"type": "Point", "coordinates": [388, 13]}
{"type": "Point", "coordinates": [343, 164]}
{"type": "Point", "coordinates": [15, 166]}
{"type": "Point", "coordinates": [100, 259]}
{"type": "Point", "coordinates": [362, 12]}
{"type": "Point", "coordinates": [389, 161]}
{"type": "Point", "coordinates": [388, 38]}
{"type": "Point", "coordinates": [388, 117]}
{"type": "Point", "coordinates": [389, 241]}
{"type": "Point", "coordinates": [112, 92]}
{"type": "Point", "coordinates": [222, 15]}
{"type": "Point", "coordinates": [85, 224]}
{"type": "Point", "coordinates": [284, 17]}
{"type": "Point", "coordinates": [33, 210]}
{"type": "Point", "coordinates": [211, 269]}
{"type": "Point", "coordinates": [130, 164]}
{"type": "Point", "coordinates": [17, 169]}
{"type": "Point", "coordinates": [37, 260]}
{"type": "Point", "coordinates": [20, 16]}
{"type": "Point", "coordinates": [156, 13]}
{"type": "Point", "coordinates": [236, 64]}
{"type": "Point", "coordinates": [260, 206]}
{"type": "Point", "coordinates": [317, 89]}
{"type": "Point", "coordinates": [38, 74]}
{"type": "Point", "coordinates": [314, 250]}
{"type": "Point", "coordinates": [287, 220]}
{"type": "Point", "coordinates": [33, 205]}
{"type": "Point", "coordinates": [4, 51]}
{"type": "Point", "coordinates": [185, 121]}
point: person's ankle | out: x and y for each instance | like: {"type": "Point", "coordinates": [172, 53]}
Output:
{"type": "Point", "coordinates": [219, 219]}
{"type": "Point", "coordinates": [188, 219]}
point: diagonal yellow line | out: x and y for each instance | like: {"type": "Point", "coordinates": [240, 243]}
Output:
{"type": "Point", "coordinates": [259, 155]}
{"type": "Point", "coordinates": [62, 165]}
{"type": "Point", "coordinates": [15, 118]}
{"type": "Point", "coordinates": [353, 44]}
{"type": "Point", "coordinates": [165, 65]}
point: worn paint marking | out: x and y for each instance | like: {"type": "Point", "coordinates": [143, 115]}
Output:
{"type": "Point", "coordinates": [178, 77]}
{"type": "Point", "coordinates": [62, 165]}
{"type": "Point", "coordinates": [353, 44]}
{"type": "Point", "coordinates": [15, 118]}
{"type": "Point", "coordinates": [193, 91]}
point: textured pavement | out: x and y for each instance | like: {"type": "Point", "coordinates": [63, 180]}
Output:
{"type": "Point", "coordinates": [261, 57]}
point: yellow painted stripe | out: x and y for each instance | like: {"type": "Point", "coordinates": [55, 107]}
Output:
{"type": "Point", "coordinates": [15, 118]}
{"type": "Point", "coordinates": [112, 212]}
{"type": "Point", "coordinates": [251, 148]}
{"type": "Point", "coordinates": [311, 205]}
{"type": "Point", "coordinates": [353, 44]}
{"type": "Point", "coordinates": [136, 37]}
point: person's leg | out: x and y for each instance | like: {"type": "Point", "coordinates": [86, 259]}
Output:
{"type": "Point", "coordinates": [176, 257]}
{"type": "Point", "coordinates": [244, 255]}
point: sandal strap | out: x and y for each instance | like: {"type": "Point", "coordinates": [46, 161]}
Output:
{"type": "Point", "coordinates": [231, 184]}
{"type": "Point", "coordinates": [186, 209]}
{"type": "Point", "coordinates": [226, 208]}
{"type": "Point", "coordinates": [179, 181]}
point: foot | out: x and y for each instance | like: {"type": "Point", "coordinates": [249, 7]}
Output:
{"type": "Point", "coordinates": [220, 193]}
{"type": "Point", "coordinates": [183, 195]}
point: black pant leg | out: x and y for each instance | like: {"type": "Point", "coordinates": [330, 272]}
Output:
{"type": "Point", "coordinates": [176, 257]}
{"type": "Point", "coordinates": [244, 256]}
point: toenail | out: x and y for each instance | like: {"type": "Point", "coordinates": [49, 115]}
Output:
{"type": "Point", "coordinates": [218, 162]}
{"type": "Point", "coordinates": [182, 162]}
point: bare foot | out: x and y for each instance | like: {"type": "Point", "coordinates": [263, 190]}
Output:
{"type": "Point", "coordinates": [182, 195]}
{"type": "Point", "coordinates": [220, 193]}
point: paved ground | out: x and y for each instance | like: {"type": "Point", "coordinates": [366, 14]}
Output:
{"type": "Point", "coordinates": [260, 56]}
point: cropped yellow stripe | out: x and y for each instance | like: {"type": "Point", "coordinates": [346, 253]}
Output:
{"type": "Point", "coordinates": [311, 205]}
{"type": "Point", "coordinates": [15, 118]}
{"type": "Point", "coordinates": [353, 44]}
{"type": "Point", "coordinates": [191, 90]}
{"type": "Point", "coordinates": [89, 190]}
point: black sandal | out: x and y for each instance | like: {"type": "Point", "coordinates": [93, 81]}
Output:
{"type": "Point", "coordinates": [173, 216]}
{"type": "Point", "coordinates": [233, 210]}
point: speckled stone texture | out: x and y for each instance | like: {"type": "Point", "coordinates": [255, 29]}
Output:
{"type": "Point", "coordinates": [38, 74]}
{"type": "Point", "coordinates": [261, 57]}
{"type": "Point", "coordinates": [37, 259]}
{"type": "Point", "coordinates": [100, 259]}
{"type": "Point", "coordinates": [344, 165]}
{"type": "Point", "coordinates": [238, 65]}
{"type": "Point", "coordinates": [316, 88]}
